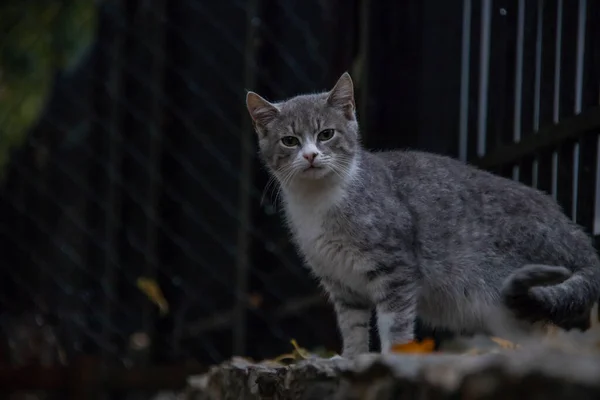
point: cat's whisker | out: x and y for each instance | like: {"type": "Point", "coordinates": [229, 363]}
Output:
{"type": "Point", "coordinates": [285, 181]}
{"type": "Point", "coordinates": [346, 164]}
{"type": "Point", "coordinates": [343, 162]}
{"type": "Point", "coordinates": [340, 170]}
{"type": "Point", "coordinates": [340, 175]}
{"type": "Point", "coordinates": [270, 183]}
{"type": "Point", "coordinates": [286, 177]}
{"type": "Point", "coordinates": [281, 177]}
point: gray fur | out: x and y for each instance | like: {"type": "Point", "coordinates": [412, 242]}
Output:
{"type": "Point", "coordinates": [411, 233]}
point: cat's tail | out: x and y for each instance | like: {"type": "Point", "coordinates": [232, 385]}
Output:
{"type": "Point", "coordinates": [552, 294]}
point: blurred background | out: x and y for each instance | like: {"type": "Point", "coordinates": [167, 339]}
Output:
{"type": "Point", "coordinates": [139, 242]}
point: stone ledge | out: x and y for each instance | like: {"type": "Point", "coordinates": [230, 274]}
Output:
{"type": "Point", "coordinates": [539, 372]}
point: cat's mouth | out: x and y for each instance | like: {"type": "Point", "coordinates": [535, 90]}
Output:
{"type": "Point", "coordinates": [313, 167]}
{"type": "Point", "coordinates": [314, 172]}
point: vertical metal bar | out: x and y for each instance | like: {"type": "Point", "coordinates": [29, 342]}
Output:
{"type": "Point", "coordinates": [557, 62]}
{"type": "Point", "coordinates": [486, 25]}
{"type": "Point", "coordinates": [246, 175]}
{"type": "Point", "coordinates": [538, 66]}
{"type": "Point", "coordinates": [538, 83]}
{"type": "Point", "coordinates": [580, 57]}
{"type": "Point", "coordinates": [581, 29]}
{"type": "Point", "coordinates": [556, 102]}
{"type": "Point", "coordinates": [519, 71]}
{"type": "Point", "coordinates": [463, 129]}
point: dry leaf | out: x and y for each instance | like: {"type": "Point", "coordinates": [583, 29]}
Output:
{"type": "Point", "coordinates": [299, 353]}
{"type": "Point", "coordinates": [505, 344]}
{"type": "Point", "coordinates": [152, 290]}
{"type": "Point", "coordinates": [299, 350]}
{"type": "Point", "coordinates": [425, 346]}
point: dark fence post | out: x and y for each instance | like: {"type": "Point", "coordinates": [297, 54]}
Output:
{"type": "Point", "coordinates": [246, 179]}
{"type": "Point", "coordinates": [154, 32]}
{"type": "Point", "coordinates": [112, 211]}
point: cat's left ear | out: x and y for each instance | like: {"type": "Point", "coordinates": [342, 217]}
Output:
{"type": "Point", "coordinates": [261, 111]}
{"type": "Point", "coordinates": [342, 96]}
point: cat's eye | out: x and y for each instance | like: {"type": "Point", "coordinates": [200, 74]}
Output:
{"type": "Point", "coordinates": [290, 141]}
{"type": "Point", "coordinates": [325, 134]}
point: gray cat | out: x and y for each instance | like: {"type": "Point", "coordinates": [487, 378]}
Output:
{"type": "Point", "coordinates": [411, 233]}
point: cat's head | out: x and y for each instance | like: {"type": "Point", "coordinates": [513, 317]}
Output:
{"type": "Point", "coordinates": [308, 137]}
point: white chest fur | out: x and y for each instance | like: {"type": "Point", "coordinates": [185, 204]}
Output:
{"type": "Point", "coordinates": [322, 240]}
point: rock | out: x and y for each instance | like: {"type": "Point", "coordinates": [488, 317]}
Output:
{"type": "Point", "coordinates": [532, 372]}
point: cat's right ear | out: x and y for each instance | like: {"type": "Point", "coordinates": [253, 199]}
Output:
{"type": "Point", "coordinates": [342, 96]}
{"type": "Point", "coordinates": [261, 111]}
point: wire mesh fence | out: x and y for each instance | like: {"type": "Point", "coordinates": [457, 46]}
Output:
{"type": "Point", "coordinates": [134, 224]}
{"type": "Point", "coordinates": [137, 223]}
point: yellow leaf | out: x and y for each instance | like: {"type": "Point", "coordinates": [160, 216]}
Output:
{"type": "Point", "coordinates": [298, 354]}
{"type": "Point", "coordinates": [151, 289]}
{"type": "Point", "coordinates": [300, 351]}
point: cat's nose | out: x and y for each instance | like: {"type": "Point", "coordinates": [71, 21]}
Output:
{"type": "Point", "coordinates": [310, 157]}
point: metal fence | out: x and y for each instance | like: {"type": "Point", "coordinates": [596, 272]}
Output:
{"type": "Point", "coordinates": [536, 118]}
{"type": "Point", "coordinates": [136, 228]}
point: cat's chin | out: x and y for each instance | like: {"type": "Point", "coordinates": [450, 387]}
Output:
{"type": "Point", "coordinates": [315, 173]}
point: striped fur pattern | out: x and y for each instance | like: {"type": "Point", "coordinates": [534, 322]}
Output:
{"type": "Point", "coordinates": [410, 233]}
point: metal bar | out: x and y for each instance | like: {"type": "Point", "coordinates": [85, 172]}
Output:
{"type": "Point", "coordinates": [537, 85]}
{"type": "Point", "coordinates": [569, 129]}
{"type": "Point", "coordinates": [463, 129]}
{"type": "Point", "coordinates": [246, 175]}
{"type": "Point", "coordinates": [484, 69]}
{"type": "Point", "coordinates": [557, 62]}
{"type": "Point", "coordinates": [519, 71]}
{"type": "Point", "coordinates": [538, 66]}
{"type": "Point", "coordinates": [581, 29]}
{"type": "Point", "coordinates": [579, 64]}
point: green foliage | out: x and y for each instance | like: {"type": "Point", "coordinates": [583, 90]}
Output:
{"type": "Point", "coordinates": [39, 38]}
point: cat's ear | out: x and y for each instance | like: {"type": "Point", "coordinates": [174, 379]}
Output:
{"type": "Point", "coordinates": [261, 111]}
{"type": "Point", "coordinates": [342, 95]}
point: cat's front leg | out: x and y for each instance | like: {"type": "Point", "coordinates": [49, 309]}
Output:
{"type": "Point", "coordinates": [396, 312]}
{"type": "Point", "coordinates": [353, 316]}
{"type": "Point", "coordinates": [353, 320]}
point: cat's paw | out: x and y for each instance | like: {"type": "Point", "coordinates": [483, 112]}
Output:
{"type": "Point", "coordinates": [336, 357]}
